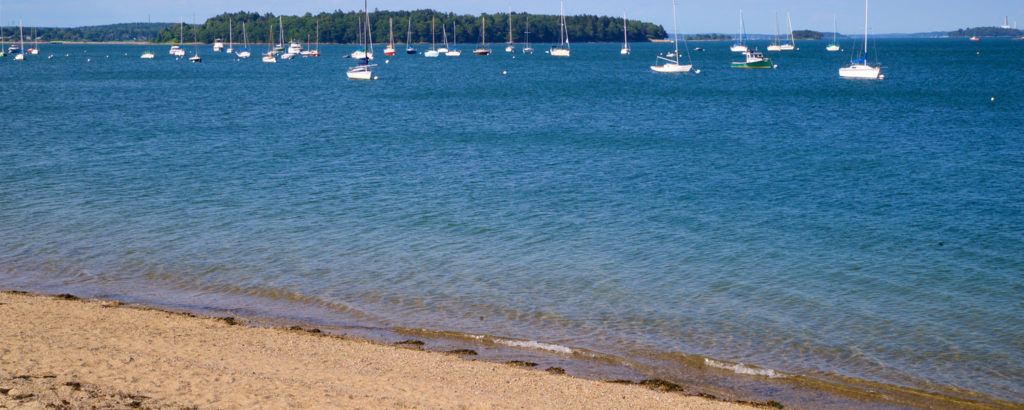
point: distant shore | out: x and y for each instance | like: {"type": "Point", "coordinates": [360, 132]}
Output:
{"type": "Point", "coordinates": [67, 351]}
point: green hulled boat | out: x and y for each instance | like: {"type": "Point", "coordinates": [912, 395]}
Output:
{"type": "Point", "coordinates": [754, 60]}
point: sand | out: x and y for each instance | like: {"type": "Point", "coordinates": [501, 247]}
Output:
{"type": "Point", "coordinates": [85, 353]}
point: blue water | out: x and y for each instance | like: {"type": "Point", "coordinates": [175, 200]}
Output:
{"type": "Point", "coordinates": [786, 218]}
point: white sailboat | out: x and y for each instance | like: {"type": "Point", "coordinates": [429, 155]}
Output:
{"type": "Point", "coordinates": [269, 56]}
{"type": "Point", "coordinates": [672, 65]}
{"type": "Point", "coordinates": [625, 37]}
{"type": "Point", "coordinates": [526, 46]}
{"type": "Point", "coordinates": [510, 47]}
{"type": "Point", "coordinates": [860, 68]}
{"type": "Point", "coordinates": [741, 47]}
{"type": "Point", "coordinates": [454, 52]}
{"type": "Point", "coordinates": [316, 52]}
{"type": "Point", "coordinates": [444, 38]}
{"type": "Point", "coordinates": [363, 70]}
{"type": "Point", "coordinates": [195, 37]}
{"type": "Point", "coordinates": [432, 53]}
{"type": "Point", "coordinates": [21, 44]}
{"type": "Point", "coordinates": [231, 38]}
{"type": "Point", "coordinates": [791, 45]}
{"type": "Point", "coordinates": [390, 49]}
{"type": "Point", "coordinates": [35, 43]}
{"type": "Point", "coordinates": [291, 51]}
{"type": "Point", "coordinates": [774, 46]}
{"type": "Point", "coordinates": [834, 45]}
{"type": "Point", "coordinates": [245, 45]}
{"type": "Point", "coordinates": [3, 52]}
{"type": "Point", "coordinates": [147, 55]}
{"type": "Point", "coordinates": [482, 50]}
{"type": "Point", "coordinates": [562, 49]}
{"type": "Point", "coordinates": [178, 50]}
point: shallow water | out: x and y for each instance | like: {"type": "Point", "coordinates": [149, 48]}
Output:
{"type": "Point", "coordinates": [786, 219]}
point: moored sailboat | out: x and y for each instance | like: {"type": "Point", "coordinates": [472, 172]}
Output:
{"type": "Point", "coordinates": [774, 46]}
{"type": "Point", "coordinates": [444, 39]}
{"type": "Point", "coordinates": [178, 50]}
{"type": "Point", "coordinates": [245, 45]}
{"type": "Point", "coordinates": [526, 46]}
{"type": "Point", "coordinates": [672, 65]}
{"type": "Point", "coordinates": [390, 49]}
{"type": "Point", "coordinates": [363, 70]}
{"type": "Point", "coordinates": [409, 49]}
{"type": "Point", "coordinates": [791, 45]}
{"type": "Point", "coordinates": [834, 45]}
{"type": "Point", "coordinates": [740, 47]}
{"type": "Point", "coordinates": [482, 50]}
{"type": "Point", "coordinates": [432, 53]}
{"type": "Point", "coordinates": [625, 37]}
{"type": "Point", "coordinates": [510, 46]}
{"type": "Point", "coordinates": [454, 52]}
{"type": "Point", "coordinates": [859, 68]}
{"type": "Point", "coordinates": [269, 56]}
{"type": "Point", "coordinates": [195, 37]}
{"type": "Point", "coordinates": [231, 38]}
{"type": "Point", "coordinates": [562, 49]}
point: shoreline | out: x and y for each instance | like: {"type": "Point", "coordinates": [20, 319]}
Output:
{"type": "Point", "coordinates": [102, 352]}
{"type": "Point", "coordinates": [692, 376]}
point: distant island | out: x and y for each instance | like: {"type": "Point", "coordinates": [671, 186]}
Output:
{"type": "Point", "coordinates": [341, 27]}
{"type": "Point", "coordinates": [986, 32]}
{"type": "Point", "coordinates": [713, 36]}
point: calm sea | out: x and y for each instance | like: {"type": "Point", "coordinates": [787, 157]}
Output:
{"type": "Point", "coordinates": [789, 220]}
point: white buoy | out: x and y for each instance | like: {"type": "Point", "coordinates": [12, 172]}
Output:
{"type": "Point", "coordinates": [504, 73]}
{"type": "Point", "coordinates": [992, 99]}
{"type": "Point", "coordinates": [697, 72]}
{"type": "Point", "coordinates": [374, 77]}
{"type": "Point", "coordinates": [775, 66]}
{"type": "Point", "coordinates": [387, 61]}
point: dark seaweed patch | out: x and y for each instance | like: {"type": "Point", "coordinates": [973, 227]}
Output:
{"type": "Point", "coordinates": [521, 363]}
{"type": "Point", "coordinates": [74, 385]}
{"type": "Point", "coordinates": [410, 342]}
{"type": "Point", "coordinates": [555, 370]}
{"type": "Point", "coordinates": [229, 320]}
{"type": "Point", "coordinates": [661, 385]}
{"type": "Point", "coordinates": [67, 296]}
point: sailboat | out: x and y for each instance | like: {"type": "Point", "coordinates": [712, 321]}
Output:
{"type": "Point", "coordinates": [147, 55]}
{"type": "Point", "coordinates": [293, 48]}
{"type": "Point", "coordinates": [35, 43]}
{"type": "Point", "coordinates": [510, 48]}
{"type": "Point", "coordinates": [269, 56]}
{"type": "Point", "coordinates": [177, 50]}
{"type": "Point", "coordinates": [444, 38]}
{"type": "Point", "coordinates": [433, 46]}
{"type": "Point", "coordinates": [740, 47]}
{"type": "Point", "coordinates": [672, 65]}
{"type": "Point", "coordinates": [562, 49]}
{"type": "Point", "coordinates": [454, 52]}
{"type": "Point", "coordinates": [363, 70]}
{"type": "Point", "coordinates": [482, 50]}
{"type": "Point", "coordinates": [3, 53]}
{"type": "Point", "coordinates": [774, 46]}
{"type": "Point", "coordinates": [245, 48]}
{"type": "Point", "coordinates": [390, 49]}
{"type": "Point", "coordinates": [834, 45]}
{"type": "Point", "coordinates": [625, 38]}
{"type": "Point", "coordinates": [195, 37]}
{"type": "Point", "coordinates": [860, 68]}
{"type": "Point", "coordinates": [526, 46]}
{"type": "Point", "coordinates": [231, 38]}
{"type": "Point", "coordinates": [792, 39]}
{"type": "Point", "coordinates": [316, 52]}
{"type": "Point", "coordinates": [408, 40]}
{"type": "Point", "coordinates": [21, 43]}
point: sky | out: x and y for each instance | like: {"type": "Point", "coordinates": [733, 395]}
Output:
{"type": "Point", "coordinates": [695, 16]}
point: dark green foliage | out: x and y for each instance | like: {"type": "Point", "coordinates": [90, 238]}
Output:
{"type": "Point", "coordinates": [343, 27]}
{"type": "Point", "coordinates": [111, 32]}
{"type": "Point", "coordinates": [987, 32]}
{"type": "Point", "coordinates": [807, 35]}
{"type": "Point", "coordinates": [708, 37]}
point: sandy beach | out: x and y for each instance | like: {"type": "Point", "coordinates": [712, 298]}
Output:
{"type": "Point", "coordinates": [60, 351]}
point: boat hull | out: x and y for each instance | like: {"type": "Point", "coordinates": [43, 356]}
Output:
{"type": "Point", "coordinates": [560, 52]}
{"type": "Point", "coordinates": [672, 68]}
{"type": "Point", "coordinates": [359, 73]}
{"type": "Point", "coordinates": [832, 47]}
{"type": "Point", "coordinates": [774, 47]}
{"type": "Point", "coordinates": [243, 54]}
{"type": "Point", "coordinates": [147, 56]}
{"type": "Point", "coordinates": [787, 47]}
{"type": "Point", "coordinates": [766, 63]}
{"type": "Point", "coordinates": [453, 53]}
{"type": "Point", "coordinates": [861, 71]}
{"type": "Point", "coordinates": [738, 48]}
{"type": "Point", "coordinates": [431, 53]}
{"type": "Point", "coordinates": [482, 52]}
{"type": "Point", "coordinates": [624, 51]}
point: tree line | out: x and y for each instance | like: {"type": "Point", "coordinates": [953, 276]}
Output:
{"type": "Point", "coordinates": [987, 32]}
{"type": "Point", "coordinates": [344, 27]}
{"type": "Point", "coordinates": [110, 32]}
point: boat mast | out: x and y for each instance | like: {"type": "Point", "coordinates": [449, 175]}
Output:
{"type": "Point", "coordinates": [625, 36]}
{"type": "Point", "coordinates": [675, 31]}
{"type": "Point", "coordinates": [510, 25]}
{"type": "Point", "coordinates": [865, 31]}
{"type": "Point", "coordinates": [391, 32]}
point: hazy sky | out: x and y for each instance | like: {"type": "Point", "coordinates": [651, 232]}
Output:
{"type": "Point", "coordinates": [695, 16]}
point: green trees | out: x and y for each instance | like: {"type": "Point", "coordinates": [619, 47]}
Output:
{"type": "Point", "coordinates": [987, 32]}
{"type": "Point", "coordinates": [111, 32]}
{"type": "Point", "coordinates": [342, 27]}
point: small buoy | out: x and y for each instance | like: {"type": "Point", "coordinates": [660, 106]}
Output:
{"type": "Point", "coordinates": [374, 77]}
{"type": "Point", "coordinates": [697, 72]}
{"type": "Point", "coordinates": [992, 99]}
{"type": "Point", "coordinates": [387, 61]}
{"type": "Point", "coordinates": [775, 66]}
{"type": "Point", "coordinates": [978, 53]}
{"type": "Point", "coordinates": [88, 60]}
{"type": "Point", "coordinates": [504, 73]}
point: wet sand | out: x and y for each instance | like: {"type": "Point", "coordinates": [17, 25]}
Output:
{"type": "Point", "coordinates": [83, 353]}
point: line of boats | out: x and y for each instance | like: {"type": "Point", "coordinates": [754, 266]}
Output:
{"type": "Point", "coordinates": [363, 69]}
